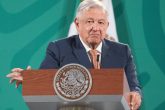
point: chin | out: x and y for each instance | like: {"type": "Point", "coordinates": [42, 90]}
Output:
{"type": "Point", "coordinates": [94, 39]}
{"type": "Point", "coordinates": [94, 43]}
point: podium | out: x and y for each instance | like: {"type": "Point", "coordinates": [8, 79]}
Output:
{"type": "Point", "coordinates": [109, 87]}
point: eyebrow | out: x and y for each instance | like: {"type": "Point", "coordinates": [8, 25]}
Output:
{"type": "Point", "coordinates": [98, 19]}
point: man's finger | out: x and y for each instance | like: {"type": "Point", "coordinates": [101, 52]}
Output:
{"type": "Point", "coordinates": [132, 98]}
{"type": "Point", "coordinates": [19, 78]}
{"type": "Point", "coordinates": [136, 101]}
{"type": "Point", "coordinates": [17, 70]}
{"type": "Point", "coordinates": [136, 106]}
{"type": "Point", "coordinates": [9, 75]}
{"type": "Point", "coordinates": [14, 74]}
{"type": "Point", "coordinates": [28, 68]}
{"type": "Point", "coordinates": [18, 83]}
{"type": "Point", "coordinates": [12, 80]}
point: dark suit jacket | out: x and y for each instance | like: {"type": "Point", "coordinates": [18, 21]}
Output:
{"type": "Point", "coordinates": [71, 50]}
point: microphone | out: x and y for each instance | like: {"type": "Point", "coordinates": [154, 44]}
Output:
{"type": "Point", "coordinates": [98, 57]}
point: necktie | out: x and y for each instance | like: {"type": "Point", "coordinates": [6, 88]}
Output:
{"type": "Point", "coordinates": [94, 55]}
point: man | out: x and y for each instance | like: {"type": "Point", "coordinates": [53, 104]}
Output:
{"type": "Point", "coordinates": [91, 23]}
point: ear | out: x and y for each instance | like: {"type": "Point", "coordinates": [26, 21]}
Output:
{"type": "Point", "coordinates": [76, 22]}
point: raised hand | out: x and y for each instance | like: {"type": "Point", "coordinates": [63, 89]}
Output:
{"type": "Point", "coordinates": [16, 75]}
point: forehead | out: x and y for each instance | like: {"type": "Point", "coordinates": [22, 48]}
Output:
{"type": "Point", "coordinates": [95, 13]}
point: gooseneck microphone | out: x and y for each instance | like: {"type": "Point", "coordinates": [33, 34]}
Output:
{"type": "Point", "coordinates": [98, 57]}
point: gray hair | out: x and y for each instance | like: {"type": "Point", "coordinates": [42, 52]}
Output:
{"type": "Point", "coordinates": [88, 4]}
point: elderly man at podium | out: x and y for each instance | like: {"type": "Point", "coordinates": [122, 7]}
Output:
{"type": "Point", "coordinates": [90, 49]}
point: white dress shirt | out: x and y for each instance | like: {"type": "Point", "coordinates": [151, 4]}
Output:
{"type": "Point", "coordinates": [87, 48]}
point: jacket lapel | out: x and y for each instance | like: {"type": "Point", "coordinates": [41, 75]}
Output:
{"type": "Point", "coordinates": [81, 54]}
{"type": "Point", "coordinates": [105, 55]}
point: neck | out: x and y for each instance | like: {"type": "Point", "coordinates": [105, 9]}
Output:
{"type": "Point", "coordinates": [93, 45]}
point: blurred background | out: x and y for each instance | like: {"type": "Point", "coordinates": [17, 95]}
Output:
{"type": "Point", "coordinates": [27, 26]}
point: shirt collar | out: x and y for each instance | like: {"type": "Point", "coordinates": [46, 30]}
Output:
{"type": "Point", "coordinates": [87, 48]}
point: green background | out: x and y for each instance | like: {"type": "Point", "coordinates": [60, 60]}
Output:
{"type": "Point", "coordinates": [26, 27]}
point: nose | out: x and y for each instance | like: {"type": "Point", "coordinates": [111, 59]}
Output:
{"type": "Point", "coordinates": [95, 27]}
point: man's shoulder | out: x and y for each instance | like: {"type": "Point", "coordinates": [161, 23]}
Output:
{"type": "Point", "coordinates": [117, 47]}
{"type": "Point", "coordinates": [64, 43]}
{"type": "Point", "coordinates": [115, 44]}
{"type": "Point", "coordinates": [66, 39]}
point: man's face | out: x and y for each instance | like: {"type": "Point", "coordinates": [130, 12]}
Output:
{"type": "Point", "coordinates": [92, 25]}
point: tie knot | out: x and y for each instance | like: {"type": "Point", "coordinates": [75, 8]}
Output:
{"type": "Point", "coordinates": [93, 52]}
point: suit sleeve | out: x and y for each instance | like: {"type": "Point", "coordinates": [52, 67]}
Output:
{"type": "Point", "coordinates": [52, 59]}
{"type": "Point", "coordinates": [130, 70]}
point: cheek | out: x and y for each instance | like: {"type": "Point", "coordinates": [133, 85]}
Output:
{"type": "Point", "coordinates": [82, 30]}
{"type": "Point", "coordinates": [87, 29]}
{"type": "Point", "coordinates": [104, 31]}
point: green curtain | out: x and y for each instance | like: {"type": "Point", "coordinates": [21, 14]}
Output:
{"type": "Point", "coordinates": [26, 28]}
{"type": "Point", "coordinates": [141, 24]}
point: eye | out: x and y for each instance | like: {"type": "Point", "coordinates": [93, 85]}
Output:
{"type": "Point", "coordinates": [101, 22]}
{"type": "Point", "coordinates": [90, 21]}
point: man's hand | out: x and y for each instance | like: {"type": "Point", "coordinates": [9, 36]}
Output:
{"type": "Point", "coordinates": [16, 75]}
{"type": "Point", "coordinates": [134, 100]}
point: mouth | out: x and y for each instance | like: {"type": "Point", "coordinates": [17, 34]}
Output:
{"type": "Point", "coordinates": [94, 35]}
